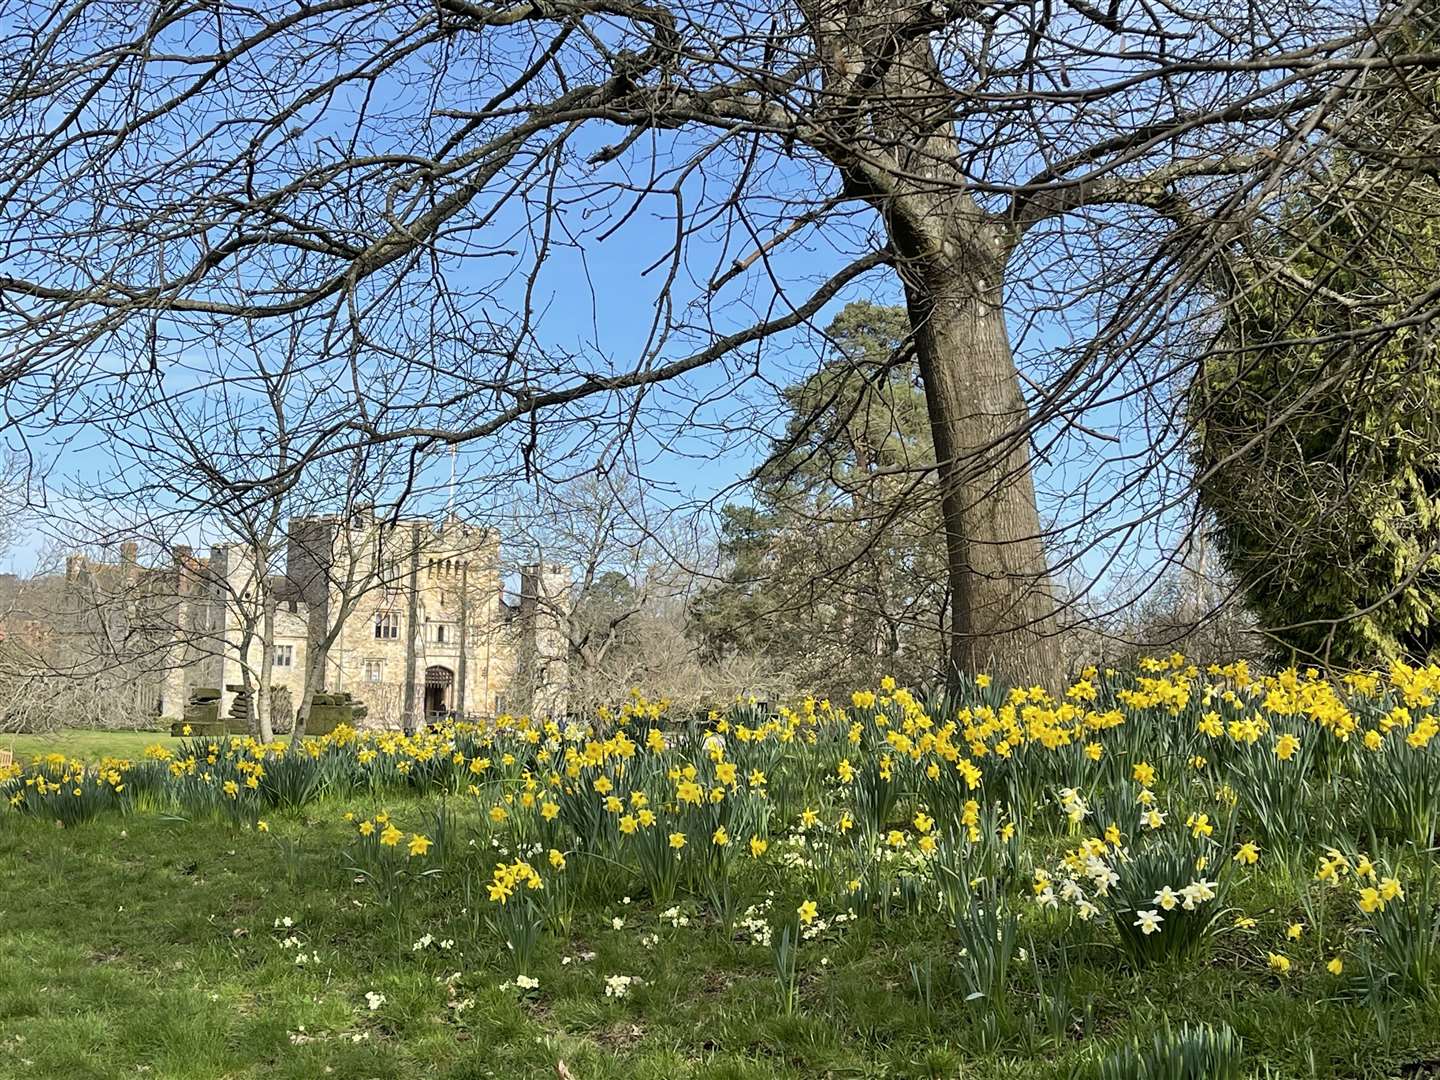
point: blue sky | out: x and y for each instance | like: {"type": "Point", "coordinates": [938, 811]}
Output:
{"type": "Point", "coordinates": [598, 302]}
{"type": "Point", "coordinates": [601, 300]}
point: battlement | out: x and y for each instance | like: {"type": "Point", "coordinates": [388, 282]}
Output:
{"type": "Point", "coordinates": [424, 624]}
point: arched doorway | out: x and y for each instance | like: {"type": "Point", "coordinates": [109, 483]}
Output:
{"type": "Point", "coordinates": [439, 688]}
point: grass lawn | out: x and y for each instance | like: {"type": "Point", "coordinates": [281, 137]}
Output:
{"type": "Point", "coordinates": [85, 744]}
{"type": "Point", "coordinates": [148, 945]}
{"type": "Point", "coordinates": [1260, 895]}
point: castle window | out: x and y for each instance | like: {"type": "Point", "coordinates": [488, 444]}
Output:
{"type": "Point", "coordinates": [387, 625]}
{"type": "Point", "coordinates": [284, 655]}
{"type": "Point", "coordinates": [441, 633]}
{"type": "Point", "coordinates": [374, 670]}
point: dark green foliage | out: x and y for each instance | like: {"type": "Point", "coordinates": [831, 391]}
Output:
{"type": "Point", "coordinates": [1189, 1052]}
{"type": "Point", "coordinates": [837, 569]}
{"type": "Point", "coordinates": [1319, 422]}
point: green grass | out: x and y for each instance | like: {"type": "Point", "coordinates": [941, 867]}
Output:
{"type": "Point", "coordinates": [158, 940]}
{"type": "Point", "coordinates": [146, 945]}
{"type": "Point", "coordinates": [85, 744]}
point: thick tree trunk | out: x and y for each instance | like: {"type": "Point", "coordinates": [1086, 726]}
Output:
{"type": "Point", "coordinates": [895, 149]}
{"type": "Point", "coordinates": [1002, 610]}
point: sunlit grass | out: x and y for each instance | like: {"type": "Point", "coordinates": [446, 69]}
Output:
{"type": "Point", "coordinates": [892, 888]}
{"type": "Point", "coordinates": [141, 946]}
{"type": "Point", "coordinates": [87, 745]}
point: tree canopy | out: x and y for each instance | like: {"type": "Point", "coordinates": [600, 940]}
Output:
{"type": "Point", "coordinates": [450, 211]}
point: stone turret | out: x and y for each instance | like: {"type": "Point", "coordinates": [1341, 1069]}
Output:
{"type": "Point", "coordinates": [173, 699]}
{"type": "Point", "coordinates": [542, 669]}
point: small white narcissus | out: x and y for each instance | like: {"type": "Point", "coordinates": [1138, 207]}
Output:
{"type": "Point", "coordinates": [1149, 921]}
{"type": "Point", "coordinates": [1198, 892]}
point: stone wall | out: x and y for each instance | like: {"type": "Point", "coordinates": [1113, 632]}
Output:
{"type": "Point", "coordinates": [454, 622]}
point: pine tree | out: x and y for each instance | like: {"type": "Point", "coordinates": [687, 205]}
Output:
{"type": "Point", "coordinates": [838, 567]}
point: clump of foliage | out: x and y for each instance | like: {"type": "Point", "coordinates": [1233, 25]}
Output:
{"type": "Point", "coordinates": [1189, 1052]}
{"type": "Point", "coordinates": [1319, 410]}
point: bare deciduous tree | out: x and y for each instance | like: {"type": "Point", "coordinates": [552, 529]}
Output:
{"type": "Point", "coordinates": [623, 558]}
{"type": "Point", "coordinates": [414, 188]}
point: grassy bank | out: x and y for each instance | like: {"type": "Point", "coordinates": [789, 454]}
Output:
{"type": "Point", "coordinates": [143, 946]}
{"type": "Point", "coordinates": [85, 744]}
{"type": "Point", "coordinates": [1007, 885]}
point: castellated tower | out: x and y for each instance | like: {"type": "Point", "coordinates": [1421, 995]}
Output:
{"type": "Point", "coordinates": [427, 635]}
{"type": "Point", "coordinates": [235, 589]}
{"type": "Point", "coordinates": [409, 616]}
{"type": "Point", "coordinates": [543, 649]}
{"type": "Point", "coordinates": [187, 589]}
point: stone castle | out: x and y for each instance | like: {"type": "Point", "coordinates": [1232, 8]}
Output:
{"type": "Point", "coordinates": [409, 617]}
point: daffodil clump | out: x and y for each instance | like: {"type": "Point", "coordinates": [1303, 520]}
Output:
{"type": "Point", "coordinates": [65, 790]}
